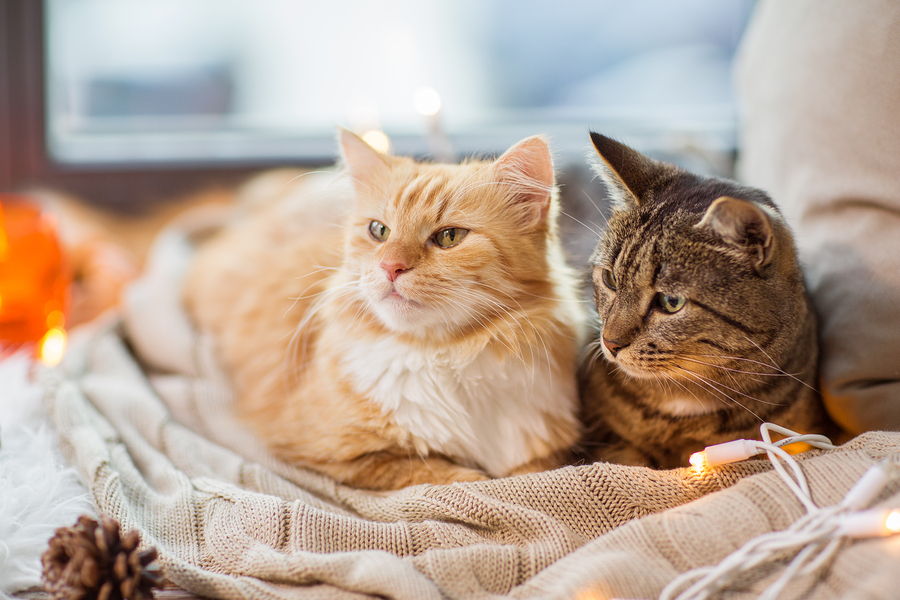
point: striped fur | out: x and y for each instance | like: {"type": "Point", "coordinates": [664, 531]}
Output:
{"type": "Point", "coordinates": [742, 349]}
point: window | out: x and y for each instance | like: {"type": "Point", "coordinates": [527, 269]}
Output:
{"type": "Point", "coordinates": [153, 88]}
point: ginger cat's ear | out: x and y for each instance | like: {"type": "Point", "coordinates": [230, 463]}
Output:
{"type": "Point", "coordinates": [527, 168]}
{"type": "Point", "coordinates": [364, 163]}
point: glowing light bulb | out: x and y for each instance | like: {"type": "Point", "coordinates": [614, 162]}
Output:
{"type": "Point", "coordinates": [592, 594]}
{"type": "Point", "coordinates": [427, 101]}
{"type": "Point", "coordinates": [892, 522]}
{"type": "Point", "coordinates": [52, 346]}
{"type": "Point", "coordinates": [698, 460]}
{"type": "Point", "coordinates": [378, 140]}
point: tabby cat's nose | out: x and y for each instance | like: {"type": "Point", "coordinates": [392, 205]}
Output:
{"type": "Point", "coordinates": [393, 269]}
{"type": "Point", "coordinates": [612, 346]}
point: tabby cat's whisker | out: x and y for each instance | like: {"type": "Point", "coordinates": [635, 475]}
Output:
{"type": "Point", "coordinates": [599, 210]}
{"type": "Point", "coordinates": [593, 230]}
{"type": "Point", "coordinates": [775, 365]}
{"type": "Point", "coordinates": [764, 353]}
{"type": "Point", "coordinates": [719, 393]}
{"type": "Point", "coordinates": [596, 352]}
{"type": "Point", "coordinates": [732, 370]}
{"type": "Point", "coordinates": [794, 376]}
{"type": "Point", "coordinates": [670, 378]}
{"type": "Point", "coordinates": [717, 385]}
{"type": "Point", "coordinates": [750, 360]}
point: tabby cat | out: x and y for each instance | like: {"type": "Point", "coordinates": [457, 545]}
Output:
{"type": "Point", "coordinates": [417, 325]}
{"type": "Point", "coordinates": [705, 326]}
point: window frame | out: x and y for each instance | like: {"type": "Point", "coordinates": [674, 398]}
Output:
{"type": "Point", "coordinates": [25, 162]}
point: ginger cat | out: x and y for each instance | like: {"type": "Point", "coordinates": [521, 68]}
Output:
{"type": "Point", "coordinates": [408, 323]}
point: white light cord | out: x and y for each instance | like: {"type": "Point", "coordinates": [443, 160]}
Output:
{"type": "Point", "coordinates": [815, 537]}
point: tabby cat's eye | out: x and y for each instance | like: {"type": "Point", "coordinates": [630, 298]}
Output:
{"type": "Point", "coordinates": [447, 238]}
{"type": "Point", "coordinates": [609, 280]}
{"type": "Point", "coordinates": [670, 302]}
{"type": "Point", "coordinates": [379, 231]}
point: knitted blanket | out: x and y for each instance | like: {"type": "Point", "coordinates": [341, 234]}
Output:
{"type": "Point", "coordinates": [145, 414]}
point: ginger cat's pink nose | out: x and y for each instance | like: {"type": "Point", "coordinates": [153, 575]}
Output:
{"type": "Point", "coordinates": [393, 269]}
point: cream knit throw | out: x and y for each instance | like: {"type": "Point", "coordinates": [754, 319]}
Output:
{"type": "Point", "coordinates": [145, 415]}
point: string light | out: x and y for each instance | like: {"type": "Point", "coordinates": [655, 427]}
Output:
{"type": "Point", "coordinates": [33, 280]}
{"type": "Point", "coordinates": [737, 450]}
{"type": "Point", "coordinates": [816, 536]}
{"type": "Point", "coordinates": [52, 346]}
{"type": "Point", "coordinates": [698, 461]}
{"type": "Point", "coordinates": [892, 521]}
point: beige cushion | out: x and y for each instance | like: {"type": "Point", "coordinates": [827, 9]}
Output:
{"type": "Point", "coordinates": [819, 82]}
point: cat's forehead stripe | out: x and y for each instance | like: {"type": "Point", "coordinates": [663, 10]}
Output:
{"type": "Point", "coordinates": [421, 191]}
{"type": "Point", "coordinates": [407, 195]}
{"type": "Point", "coordinates": [443, 203]}
{"type": "Point", "coordinates": [641, 247]}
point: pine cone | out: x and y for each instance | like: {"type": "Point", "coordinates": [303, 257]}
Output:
{"type": "Point", "coordinates": [90, 561]}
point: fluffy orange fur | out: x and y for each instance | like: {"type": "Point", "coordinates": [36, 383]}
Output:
{"type": "Point", "coordinates": [395, 361]}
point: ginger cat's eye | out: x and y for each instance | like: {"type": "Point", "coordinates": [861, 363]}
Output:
{"type": "Point", "coordinates": [670, 302]}
{"type": "Point", "coordinates": [447, 238]}
{"type": "Point", "coordinates": [609, 280]}
{"type": "Point", "coordinates": [379, 231]}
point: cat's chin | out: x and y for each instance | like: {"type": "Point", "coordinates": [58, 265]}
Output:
{"type": "Point", "coordinates": [403, 315]}
{"type": "Point", "coordinates": [632, 371]}
{"type": "Point", "coordinates": [636, 373]}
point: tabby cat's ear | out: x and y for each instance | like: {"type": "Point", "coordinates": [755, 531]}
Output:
{"type": "Point", "coordinates": [527, 168]}
{"type": "Point", "coordinates": [627, 173]}
{"type": "Point", "coordinates": [364, 163]}
{"type": "Point", "coordinates": [743, 224]}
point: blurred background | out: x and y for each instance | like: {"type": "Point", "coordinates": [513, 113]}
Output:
{"type": "Point", "coordinates": [116, 115]}
{"type": "Point", "coordinates": [166, 88]}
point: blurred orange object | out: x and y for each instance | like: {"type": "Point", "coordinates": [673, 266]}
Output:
{"type": "Point", "coordinates": [34, 280]}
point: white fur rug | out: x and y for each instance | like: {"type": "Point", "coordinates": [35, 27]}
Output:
{"type": "Point", "coordinates": [37, 492]}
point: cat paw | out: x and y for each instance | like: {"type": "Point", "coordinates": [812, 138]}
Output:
{"type": "Point", "coordinates": [623, 455]}
{"type": "Point", "coordinates": [461, 474]}
{"type": "Point", "coordinates": [543, 463]}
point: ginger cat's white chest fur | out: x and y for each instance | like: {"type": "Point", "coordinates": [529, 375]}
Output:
{"type": "Point", "coordinates": [487, 411]}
